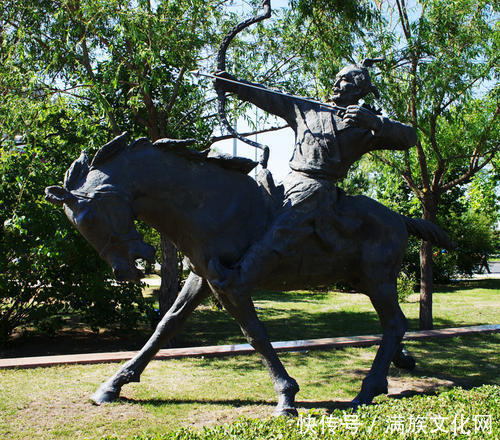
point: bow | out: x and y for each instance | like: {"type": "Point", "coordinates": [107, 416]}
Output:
{"type": "Point", "coordinates": [221, 65]}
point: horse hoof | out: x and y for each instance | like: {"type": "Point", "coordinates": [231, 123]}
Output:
{"type": "Point", "coordinates": [405, 361]}
{"type": "Point", "coordinates": [365, 396]}
{"type": "Point", "coordinates": [355, 403]}
{"type": "Point", "coordinates": [361, 399]}
{"type": "Point", "coordinates": [104, 396]}
{"type": "Point", "coordinates": [286, 412]}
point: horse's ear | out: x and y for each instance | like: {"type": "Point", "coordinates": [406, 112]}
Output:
{"type": "Point", "coordinates": [77, 171]}
{"type": "Point", "coordinates": [58, 195]}
{"type": "Point", "coordinates": [108, 150]}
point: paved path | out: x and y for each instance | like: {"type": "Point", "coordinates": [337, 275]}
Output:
{"type": "Point", "coordinates": [495, 268]}
{"type": "Point", "coordinates": [493, 274]}
{"type": "Point", "coordinates": [225, 350]}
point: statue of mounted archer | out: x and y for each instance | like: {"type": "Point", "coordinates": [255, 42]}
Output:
{"type": "Point", "coordinates": [238, 235]}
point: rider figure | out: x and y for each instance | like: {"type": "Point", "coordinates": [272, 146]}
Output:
{"type": "Point", "coordinates": [327, 143]}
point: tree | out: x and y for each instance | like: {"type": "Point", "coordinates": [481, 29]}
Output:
{"type": "Point", "coordinates": [122, 62]}
{"type": "Point", "coordinates": [47, 270]}
{"type": "Point", "coordinates": [441, 62]}
{"type": "Point", "coordinates": [472, 228]}
{"type": "Point", "coordinates": [439, 76]}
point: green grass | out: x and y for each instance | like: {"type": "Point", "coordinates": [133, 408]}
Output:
{"type": "Point", "coordinates": [187, 394]}
{"type": "Point", "coordinates": [454, 414]}
{"type": "Point", "coordinates": [306, 314]}
{"type": "Point", "coordinates": [52, 403]}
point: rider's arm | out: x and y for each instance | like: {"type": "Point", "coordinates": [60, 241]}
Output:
{"type": "Point", "coordinates": [276, 104]}
{"type": "Point", "coordinates": [387, 134]}
{"type": "Point", "coordinates": [393, 135]}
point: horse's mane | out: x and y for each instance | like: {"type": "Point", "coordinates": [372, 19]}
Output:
{"type": "Point", "coordinates": [241, 164]}
{"type": "Point", "coordinates": [176, 146]}
{"type": "Point", "coordinates": [119, 145]}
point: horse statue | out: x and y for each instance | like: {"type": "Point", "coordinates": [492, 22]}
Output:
{"type": "Point", "coordinates": [210, 208]}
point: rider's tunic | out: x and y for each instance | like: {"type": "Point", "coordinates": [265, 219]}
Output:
{"type": "Point", "coordinates": [325, 148]}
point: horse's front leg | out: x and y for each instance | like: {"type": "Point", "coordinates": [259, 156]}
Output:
{"type": "Point", "coordinates": [242, 310]}
{"type": "Point", "coordinates": [194, 291]}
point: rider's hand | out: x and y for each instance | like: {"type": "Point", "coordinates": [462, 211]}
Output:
{"type": "Point", "coordinates": [356, 116]}
{"type": "Point", "coordinates": [225, 85]}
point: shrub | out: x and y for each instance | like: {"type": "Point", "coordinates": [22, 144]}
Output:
{"type": "Point", "coordinates": [458, 413]}
{"type": "Point", "coordinates": [47, 269]}
{"type": "Point", "coordinates": [406, 285]}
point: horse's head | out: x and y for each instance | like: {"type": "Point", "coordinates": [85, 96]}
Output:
{"type": "Point", "coordinates": [103, 215]}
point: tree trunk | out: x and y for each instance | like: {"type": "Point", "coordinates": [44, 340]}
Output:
{"type": "Point", "coordinates": [426, 273]}
{"type": "Point", "coordinates": [425, 285]}
{"type": "Point", "coordinates": [169, 279]}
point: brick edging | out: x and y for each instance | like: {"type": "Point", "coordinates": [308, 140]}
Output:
{"type": "Point", "coordinates": [226, 350]}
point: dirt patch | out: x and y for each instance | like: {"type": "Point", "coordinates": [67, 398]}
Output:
{"type": "Point", "coordinates": [55, 412]}
{"type": "Point", "coordinates": [407, 386]}
{"type": "Point", "coordinates": [201, 418]}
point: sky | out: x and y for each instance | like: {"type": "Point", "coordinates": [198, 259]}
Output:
{"type": "Point", "coordinates": [280, 142]}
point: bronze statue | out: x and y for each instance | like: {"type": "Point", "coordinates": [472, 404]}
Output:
{"type": "Point", "coordinates": [238, 234]}
{"type": "Point", "coordinates": [328, 140]}
{"type": "Point", "coordinates": [211, 209]}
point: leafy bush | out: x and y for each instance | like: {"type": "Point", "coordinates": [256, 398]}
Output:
{"type": "Point", "coordinates": [475, 240]}
{"type": "Point", "coordinates": [406, 285]}
{"type": "Point", "coordinates": [47, 269]}
{"type": "Point", "coordinates": [459, 413]}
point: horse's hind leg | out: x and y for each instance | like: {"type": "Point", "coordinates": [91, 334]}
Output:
{"type": "Point", "coordinates": [384, 299]}
{"type": "Point", "coordinates": [194, 291]}
{"type": "Point", "coordinates": [403, 359]}
{"type": "Point", "coordinates": [243, 311]}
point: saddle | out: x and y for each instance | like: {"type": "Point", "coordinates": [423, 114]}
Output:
{"type": "Point", "coordinates": [273, 194]}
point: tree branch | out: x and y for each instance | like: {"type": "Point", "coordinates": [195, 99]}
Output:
{"type": "Point", "coordinates": [214, 139]}
{"type": "Point", "coordinates": [90, 72]}
{"type": "Point", "coordinates": [174, 95]}
{"type": "Point", "coordinates": [194, 110]}
{"type": "Point", "coordinates": [465, 177]}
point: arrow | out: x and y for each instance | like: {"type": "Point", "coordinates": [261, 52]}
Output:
{"type": "Point", "coordinates": [276, 92]}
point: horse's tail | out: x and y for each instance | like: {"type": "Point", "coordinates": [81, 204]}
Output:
{"type": "Point", "coordinates": [428, 231]}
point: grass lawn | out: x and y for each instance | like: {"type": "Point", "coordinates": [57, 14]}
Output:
{"type": "Point", "coordinates": [52, 403]}
{"type": "Point", "coordinates": [306, 314]}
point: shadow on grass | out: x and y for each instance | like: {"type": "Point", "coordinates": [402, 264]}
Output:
{"type": "Point", "coordinates": [292, 296]}
{"type": "Point", "coordinates": [217, 327]}
{"type": "Point", "coordinates": [489, 283]}
{"type": "Point", "coordinates": [237, 403]}
{"type": "Point", "coordinates": [467, 361]}
{"type": "Point", "coordinates": [222, 402]}
{"type": "Point", "coordinates": [211, 327]}
{"type": "Point", "coordinates": [330, 406]}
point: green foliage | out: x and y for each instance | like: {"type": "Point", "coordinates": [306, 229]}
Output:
{"type": "Point", "coordinates": [441, 76]}
{"type": "Point", "coordinates": [72, 75]}
{"type": "Point", "coordinates": [467, 214]}
{"type": "Point", "coordinates": [406, 285]}
{"type": "Point", "coordinates": [331, 31]}
{"type": "Point", "coordinates": [474, 236]}
{"type": "Point", "coordinates": [47, 270]}
{"type": "Point", "coordinates": [121, 59]}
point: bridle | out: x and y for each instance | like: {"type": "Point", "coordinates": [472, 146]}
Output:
{"type": "Point", "coordinates": [114, 236]}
